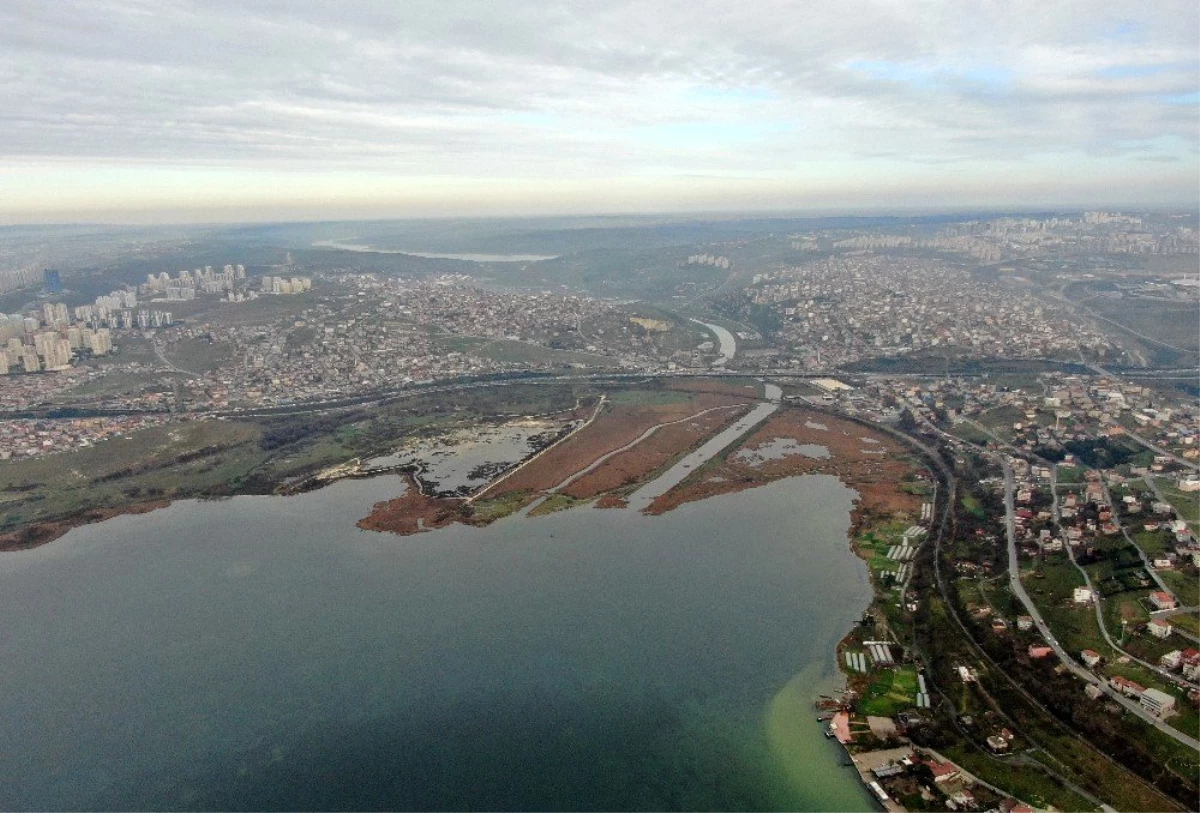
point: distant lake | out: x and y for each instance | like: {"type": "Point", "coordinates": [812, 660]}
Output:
{"type": "Point", "coordinates": [474, 258]}
{"type": "Point", "coordinates": [263, 653]}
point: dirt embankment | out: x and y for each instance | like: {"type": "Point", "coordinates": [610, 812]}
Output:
{"type": "Point", "coordinates": [649, 455]}
{"type": "Point", "coordinates": [714, 385]}
{"type": "Point", "coordinates": [867, 461]}
{"type": "Point", "coordinates": [618, 426]}
{"type": "Point", "coordinates": [40, 533]}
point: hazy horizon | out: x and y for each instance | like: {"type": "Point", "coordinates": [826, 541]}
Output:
{"type": "Point", "coordinates": [125, 111]}
{"type": "Point", "coordinates": [265, 218]}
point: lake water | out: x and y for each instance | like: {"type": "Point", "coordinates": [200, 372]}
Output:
{"type": "Point", "coordinates": [432, 255]}
{"type": "Point", "coordinates": [263, 653]}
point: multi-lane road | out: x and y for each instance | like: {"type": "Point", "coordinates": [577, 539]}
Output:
{"type": "Point", "coordinates": [1018, 589]}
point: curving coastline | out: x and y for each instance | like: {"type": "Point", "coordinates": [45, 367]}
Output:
{"type": "Point", "coordinates": [46, 531]}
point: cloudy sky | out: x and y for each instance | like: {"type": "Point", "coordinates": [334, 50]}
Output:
{"type": "Point", "coordinates": [264, 109]}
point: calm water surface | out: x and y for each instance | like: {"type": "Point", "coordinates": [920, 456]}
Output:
{"type": "Point", "coordinates": [263, 653]}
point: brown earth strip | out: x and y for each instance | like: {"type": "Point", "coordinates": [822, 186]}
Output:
{"type": "Point", "coordinates": [648, 456]}
{"type": "Point", "coordinates": [618, 426]}
{"type": "Point", "coordinates": [713, 385]}
{"type": "Point", "coordinates": [868, 461]}
{"type": "Point", "coordinates": [875, 470]}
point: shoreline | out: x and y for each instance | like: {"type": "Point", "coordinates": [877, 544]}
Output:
{"type": "Point", "coordinates": [863, 458]}
{"type": "Point", "coordinates": [43, 532]}
{"type": "Point", "coordinates": [863, 470]}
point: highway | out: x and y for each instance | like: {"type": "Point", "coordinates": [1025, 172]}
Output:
{"type": "Point", "coordinates": [939, 535]}
{"type": "Point", "coordinates": [1018, 589]}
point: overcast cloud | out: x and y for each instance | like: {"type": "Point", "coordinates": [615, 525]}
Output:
{"type": "Point", "coordinates": [104, 102]}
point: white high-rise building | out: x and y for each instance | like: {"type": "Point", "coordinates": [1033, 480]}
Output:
{"type": "Point", "coordinates": [101, 342]}
{"type": "Point", "coordinates": [55, 313]}
{"type": "Point", "coordinates": [58, 354]}
{"type": "Point", "coordinates": [41, 341]}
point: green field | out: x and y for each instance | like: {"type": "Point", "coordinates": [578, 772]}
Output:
{"type": "Point", "coordinates": [1183, 584]}
{"type": "Point", "coordinates": [514, 352]}
{"type": "Point", "coordinates": [557, 502]}
{"type": "Point", "coordinates": [973, 506]}
{"type": "Point", "coordinates": [893, 691]}
{"type": "Point", "coordinates": [199, 356]}
{"type": "Point", "coordinates": [156, 463]}
{"type": "Point", "coordinates": [118, 382]}
{"type": "Point", "coordinates": [1070, 475]}
{"type": "Point", "coordinates": [195, 458]}
{"type": "Point", "coordinates": [874, 544]}
{"type": "Point", "coordinates": [1001, 419]}
{"type": "Point", "coordinates": [651, 397]}
{"type": "Point", "coordinates": [1187, 504]}
{"type": "Point", "coordinates": [1189, 622]}
{"type": "Point", "coordinates": [1074, 625]}
{"type": "Point", "coordinates": [1128, 607]}
{"type": "Point", "coordinates": [1026, 782]}
{"type": "Point", "coordinates": [1174, 324]}
{"type": "Point", "coordinates": [207, 458]}
{"type": "Point", "coordinates": [517, 352]}
{"type": "Point", "coordinates": [1152, 542]}
{"type": "Point", "coordinates": [971, 433]}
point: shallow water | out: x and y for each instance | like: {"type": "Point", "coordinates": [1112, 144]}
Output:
{"type": "Point", "coordinates": [262, 652]}
{"type": "Point", "coordinates": [779, 448]}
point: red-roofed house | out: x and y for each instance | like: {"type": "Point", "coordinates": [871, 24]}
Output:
{"type": "Point", "coordinates": [1126, 687]}
{"type": "Point", "coordinates": [1162, 600]}
{"type": "Point", "coordinates": [942, 771]}
{"type": "Point", "coordinates": [1039, 651]}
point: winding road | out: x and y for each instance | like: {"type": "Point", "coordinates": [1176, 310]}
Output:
{"type": "Point", "coordinates": [1018, 589]}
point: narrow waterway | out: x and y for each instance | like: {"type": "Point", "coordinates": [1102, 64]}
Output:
{"type": "Point", "coordinates": [641, 499]}
{"type": "Point", "coordinates": [727, 342]}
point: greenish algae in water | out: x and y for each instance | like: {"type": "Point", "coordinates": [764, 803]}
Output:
{"type": "Point", "coordinates": [790, 725]}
